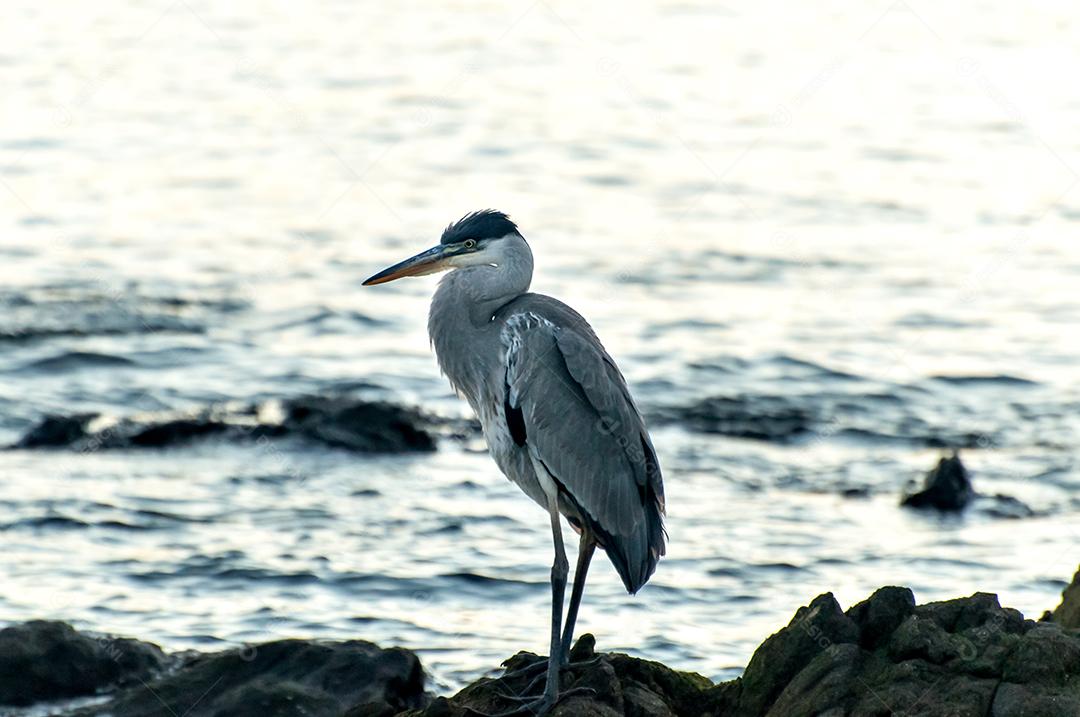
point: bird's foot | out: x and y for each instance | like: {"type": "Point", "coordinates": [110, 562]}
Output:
{"type": "Point", "coordinates": [528, 686]}
{"type": "Point", "coordinates": [539, 672]}
{"type": "Point", "coordinates": [538, 706]}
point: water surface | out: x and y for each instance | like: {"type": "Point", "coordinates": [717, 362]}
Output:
{"type": "Point", "coordinates": [861, 213]}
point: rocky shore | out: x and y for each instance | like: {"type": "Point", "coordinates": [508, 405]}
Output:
{"type": "Point", "coordinates": [883, 656]}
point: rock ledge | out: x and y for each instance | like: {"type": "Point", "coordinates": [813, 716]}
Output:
{"type": "Point", "coordinates": [883, 656]}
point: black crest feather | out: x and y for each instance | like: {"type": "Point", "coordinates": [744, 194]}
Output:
{"type": "Point", "coordinates": [484, 224]}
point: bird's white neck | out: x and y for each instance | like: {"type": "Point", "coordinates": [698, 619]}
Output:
{"type": "Point", "coordinates": [464, 305]}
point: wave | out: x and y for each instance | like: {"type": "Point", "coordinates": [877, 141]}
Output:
{"type": "Point", "coordinates": [798, 400]}
{"type": "Point", "coordinates": [75, 360]}
{"type": "Point", "coordinates": [992, 380]}
{"type": "Point", "coordinates": [101, 309]}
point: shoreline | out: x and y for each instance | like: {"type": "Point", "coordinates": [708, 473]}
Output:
{"type": "Point", "coordinates": [884, 655]}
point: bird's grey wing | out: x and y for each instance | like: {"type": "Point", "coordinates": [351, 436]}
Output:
{"type": "Point", "coordinates": [570, 404]}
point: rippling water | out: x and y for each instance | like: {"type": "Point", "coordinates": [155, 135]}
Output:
{"type": "Point", "coordinates": [856, 215]}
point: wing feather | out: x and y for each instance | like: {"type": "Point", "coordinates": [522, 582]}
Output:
{"type": "Point", "coordinates": [579, 419]}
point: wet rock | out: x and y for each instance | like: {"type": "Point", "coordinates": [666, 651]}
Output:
{"type": "Point", "coordinates": [53, 431]}
{"type": "Point", "coordinates": [143, 432]}
{"type": "Point", "coordinates": [947, 487]}
{"type": "Point", "coordinates": [1000, 505]}
{"type": "Point", "coordinates": [861, 411]}
{"type": "Point", "coordinates": [1067, 614]}
{"type": "Point", "coordinates": [45, 660]}
{"type": "Point", "coordinates": [286, 677]}
{"type": "Point", "coordinates": [358, 425]}
{"type": "Point", "coordinates": [176, 432]}
{"type": "Point", "coordinates": [343, 422]}
{"type": "Point", "coordinates": [764, 418]}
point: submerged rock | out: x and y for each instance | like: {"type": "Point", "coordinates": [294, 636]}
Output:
{"type": "Point", "coordinates": [861, 411]}
{"type": "Point", "coordinates": [172, 432]}
{"type": "Point", "coordinates": [358, 425]}
{"type": "Point", "coordinates": [343, 422]}
{"type": "Point", "coordinates": [53, 431]}
{"type": "Point", "coordinates": [764, 418]}
{"type": "Point", "coordinates": [44, 660]}
{"type": "Point", "coordinates": [947, 487]}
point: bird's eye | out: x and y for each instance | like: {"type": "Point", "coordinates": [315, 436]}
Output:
{"type": "Point", "coordinates": [469, 243]}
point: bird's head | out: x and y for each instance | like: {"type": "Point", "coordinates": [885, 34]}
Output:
{"type": "Point", "coordinates": [474, 240]}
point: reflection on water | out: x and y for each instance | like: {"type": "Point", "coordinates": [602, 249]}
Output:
{"type": "Point", "coordinates": [854, 215]}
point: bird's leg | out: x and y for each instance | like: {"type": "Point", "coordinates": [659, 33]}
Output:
{"type": "Point", "coordinates": [556, 658]}
{"type": "Point", "coordinates": [559, 570]}
{"type": "Point", "coordinates": [585, 552]}
{"type": "Point", "coordinates": [586, 548]}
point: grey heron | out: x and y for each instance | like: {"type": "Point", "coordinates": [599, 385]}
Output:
{"type": "Point", "coordinates": [556, 412]}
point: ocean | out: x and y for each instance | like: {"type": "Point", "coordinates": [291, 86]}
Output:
{"type": "Point", "coordinates": [827, 244]}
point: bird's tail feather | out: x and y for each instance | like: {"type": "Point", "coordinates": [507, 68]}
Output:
{"type": "Point", "coordinates": [635, 556]}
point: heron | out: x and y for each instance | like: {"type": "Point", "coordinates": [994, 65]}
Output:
{"type": "Point", "coordinates": [556, 412]}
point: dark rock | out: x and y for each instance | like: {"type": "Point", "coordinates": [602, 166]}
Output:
{"type": "Point", "coordinates": [918, 688]}
{"type": "Point", "coordinates": [1045, 654]}
{"type": "Point", "coordinates": [764, 418]}
{"type": "Point", "coordinates": [813, 629]}
{"type": "Point", "coordinates": [1067, 614]}
{"type": "Point", "coordinates": [44, 660]}
{"type": "Point", "coordinates": [358, 425]}
{"type": "Point", "coordinates": [617, 685]}
{"type": "Point", "coordinates": [880, 614]}
{"type": "Point", "coordinates": [583, 649]}
{"type": "Point", "coordinates": [1000, 505]}
{"type": "Point", "coordinates": [54, 431]}
{"type": "Point", "coordinates": [978, 611]}
{"type": "Point", "coordinates": [913, 415]}
{"type": "Point", "coordinates": [342, 422]}
{"type": "Point", "coordinates": [1041, 674]}
{"type": "Point", "coordinates": [884, 656]}
{"type": "Point", "coordinates": [286, 677]}
{"type": "Point", "coordinates": [171, 433]}
{"type": "Point", "coordinates": [823, 681]}
{"type": "Point", "coordinates": [918, 638]}
{"type": "Point", "coordinates": [947, 487]}
{"type": "Point", "coordinates": [946, 658]}
{"type": "Point", "coordinates": [1012, 700]}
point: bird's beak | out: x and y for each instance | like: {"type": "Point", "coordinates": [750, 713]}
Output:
{"type": "Point", "coordinates": [426, 262]}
